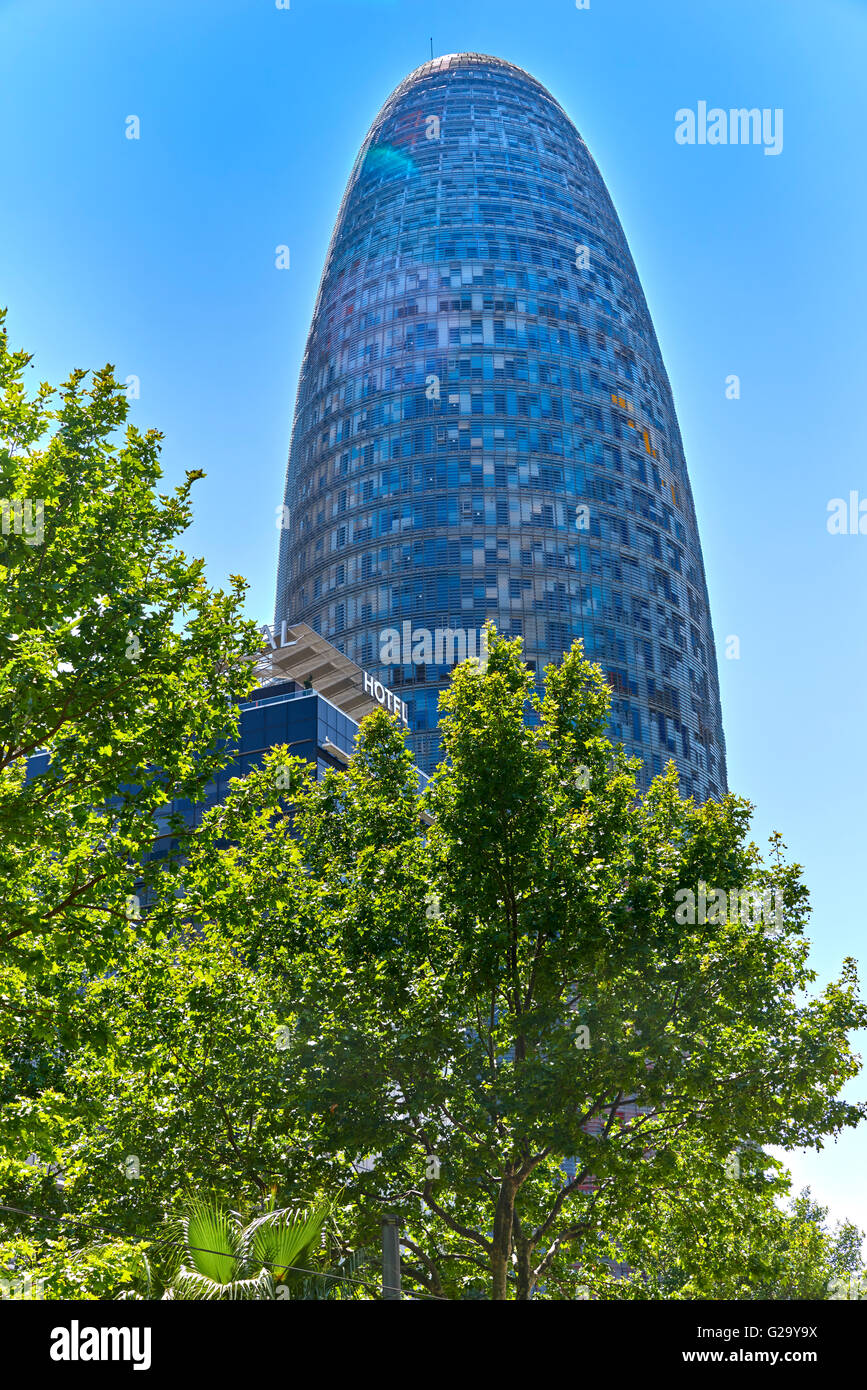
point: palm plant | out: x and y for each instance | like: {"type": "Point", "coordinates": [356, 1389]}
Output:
{"type": "Point", "coordinates": [220, 1255]}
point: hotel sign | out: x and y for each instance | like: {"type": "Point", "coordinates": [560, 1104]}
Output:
{"type": "Point", "coordinates": [300, 654]}
{"type": "Point", "coordinates": [383, 696]}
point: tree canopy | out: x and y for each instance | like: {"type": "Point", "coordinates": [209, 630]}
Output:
{"type": "Point", "coordinates": [476, 1008]}
{"type": "Point", "coordinates": [119, 675]}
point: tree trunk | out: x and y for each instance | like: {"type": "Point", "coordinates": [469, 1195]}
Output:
{"type": "Point", "coordinates": [523, 1258]}
{"type": "Point", "coordinates": [502, 1239]}
{"type": "Point", "coordinates": [524, 1268]}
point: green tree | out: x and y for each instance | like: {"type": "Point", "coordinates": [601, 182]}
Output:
{"type": "Point", "coordinates": [120, 665]}
{"type": "Point", "coordinates": [190, 1091]}
{"type": "Point", "coordinates": [721, 1232]}
{"type": "Point", "coordinates": [485, 1002]}
{"type": "Point", "coordinates": [476, 1008]}
{"type": "Point", "coordinates": [816, 1260]}
{"type": "Point", "coordinates": [115, 659]}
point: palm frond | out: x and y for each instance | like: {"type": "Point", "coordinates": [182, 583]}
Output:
{"type": "Point", "coordinates": [191, 1284]}
{"type": "Point", "coordinates": [218, 1255]}
{"type": "Point", "coordinates": [284, 1240]}
{"type": "Point", "coordinates": [213, 1247]}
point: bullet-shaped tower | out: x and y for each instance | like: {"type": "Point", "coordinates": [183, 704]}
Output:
{"type": "Point", "coordinates": [484, 426]}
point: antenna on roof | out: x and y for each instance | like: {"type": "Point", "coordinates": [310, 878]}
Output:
{"type": "Point", "coordinates": [431, 48]}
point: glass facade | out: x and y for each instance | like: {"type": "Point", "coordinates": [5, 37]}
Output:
{"type": "Point", "coordinates": [484, 427]}
{"type": "Point", "coordinates": [281, 713]}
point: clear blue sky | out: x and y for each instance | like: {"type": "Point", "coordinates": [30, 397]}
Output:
{"type": "Point", "coordinates": [158, 255]}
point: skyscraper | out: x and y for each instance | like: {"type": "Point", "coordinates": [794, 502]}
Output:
{"type": "Point", "coordinates": [484, 426]}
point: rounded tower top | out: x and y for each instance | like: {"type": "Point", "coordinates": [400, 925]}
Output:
{"type": "Point", "coordinates": [450, 62]}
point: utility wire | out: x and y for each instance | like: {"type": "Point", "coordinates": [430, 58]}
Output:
{"type": "Point", "coordinates": [199, 1249]}
{"type": "Point", "coordinates": [203, 1250]}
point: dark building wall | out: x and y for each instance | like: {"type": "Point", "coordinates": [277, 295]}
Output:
{"type": "Point", "coordinates": [301, 719]}
{"type": "Point", "coordinates": [471, 379]}
{"type": "Point", "coordinates": [277, 714]}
